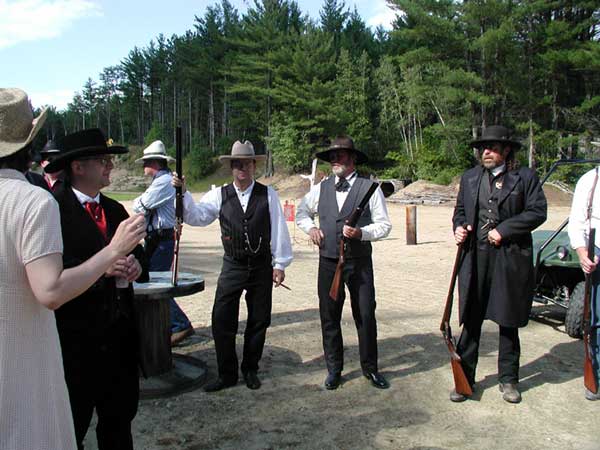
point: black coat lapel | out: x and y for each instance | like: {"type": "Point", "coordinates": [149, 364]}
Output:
{"type": "Point", "coordinates": [473, 183]}
{"type": "Point", "coordinates": [510, 181]}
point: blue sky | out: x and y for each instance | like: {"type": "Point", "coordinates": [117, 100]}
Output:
{"type": "Point", "coordinates": [49, 48]}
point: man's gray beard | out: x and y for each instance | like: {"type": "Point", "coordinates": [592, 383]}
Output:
{"type": "Point", "coordinates": [338, 170]}
{"type": "Point", "coordinates": [490, 165]}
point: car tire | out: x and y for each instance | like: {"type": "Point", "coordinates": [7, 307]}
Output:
{"type": "Point", "coordinates": [574, 316]}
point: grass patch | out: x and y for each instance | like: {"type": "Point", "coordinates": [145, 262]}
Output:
{"type": "Point", "coordinates": [122, 196]}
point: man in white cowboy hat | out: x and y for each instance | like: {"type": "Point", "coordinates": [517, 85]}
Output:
{"type": "Point", "coordinates": [257, 250]}
{"type": "Point", "coordinates": [35, 403]}
{"type": "Point", "coordinates": [98, 331]}
{"type": "Point", "coordinates": [497, 208]}
{"type": "Point", "coordinates": [157, 204]}
{"type": "Point", "coordinates": [334, 200]}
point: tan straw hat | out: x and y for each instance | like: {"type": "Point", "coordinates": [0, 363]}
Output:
{"type": "Point", "coordinates": [242, 151]}
{"type": "Point", "coordinates": [18, 127]}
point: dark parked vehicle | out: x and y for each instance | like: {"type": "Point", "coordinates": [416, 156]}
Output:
{"type": "Point", "coordinates": [558, 276]}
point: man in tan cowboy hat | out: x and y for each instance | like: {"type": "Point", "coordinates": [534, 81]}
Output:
{"type": "Point", "coordinates": [34, 401]}
{"type": "Point", "coordinates": [497, 208]}
{"type": "Point", "coordinates": [157, 204]}
{"type": "Point", "coordinates": [334, 200]}
{"type": "Point", "coordinates": [97, 329]}
{"type": "Point", "coordinates": [257, 251]}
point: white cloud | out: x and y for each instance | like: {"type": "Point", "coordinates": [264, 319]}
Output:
{"type": "Point", "coordinates": [382, 15]}
{"type": "Point", "coordinates": [59, 98]}
{"type": "Point", "coordinates": [29, 20]}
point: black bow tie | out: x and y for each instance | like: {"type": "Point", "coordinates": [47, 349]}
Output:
{"type": "Point", "coordinates": [342, 185]}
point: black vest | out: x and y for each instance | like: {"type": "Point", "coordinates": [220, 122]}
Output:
{"type": "Point", "coordinates": [331, 220]}
{"type": "Point", "coordinates": [245, 234]}
{"type": "Point", "coordinates": [488, 215]}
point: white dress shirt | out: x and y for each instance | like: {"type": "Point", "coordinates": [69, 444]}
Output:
{"type": "Point", "coordinates": [578, 220]}
{"type": "Point", "coordinates": [378, 229]}
{"type": "Point", "coordinates": [207, 210]}
{"type": "Point", "coordinates": [84, 198]}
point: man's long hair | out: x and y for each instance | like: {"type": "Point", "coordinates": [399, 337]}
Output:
{"type": "Point", "coordinates": [17, 161]}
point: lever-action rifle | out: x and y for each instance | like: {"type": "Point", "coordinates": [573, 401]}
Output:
{"type": "Point", "coordinates": [461, 384]}
{"type": "Point", "coordinates": [589, 380]}
{"type": "Point", "coordinates": [351, 222]}
{"type": "Point", "coordinates": [178, 206]}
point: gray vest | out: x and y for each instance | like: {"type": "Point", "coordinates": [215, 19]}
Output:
{"type": "Point", "coordinates": [331, 220]}
{"type": "Point", "coordinates": [488, 215]}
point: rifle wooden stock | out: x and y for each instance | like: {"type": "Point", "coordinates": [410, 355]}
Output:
{"type": "Point", "coordinates": [589, 378]}
{"type": "Point", "coordinates": [461, 384]}
{"type": "Point", "coordinates": [178, 207]}
{"type": "Point", "coordinates": [337, 277]}
{"type": "Point", "coordinates": [351, 222]}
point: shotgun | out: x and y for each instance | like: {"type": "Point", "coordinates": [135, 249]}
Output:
{"type": "Point", "coordinates": [589, 379]}
{"type": "Point", "coordinates": [178, 206]}
{"type": "Point", "coordinates": [351, 221]}
{"type": "Point", "coordinates": [461, 384]}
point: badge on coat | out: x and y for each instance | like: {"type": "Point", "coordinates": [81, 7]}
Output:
{"type": "Point", "coordinates": [498, 185]}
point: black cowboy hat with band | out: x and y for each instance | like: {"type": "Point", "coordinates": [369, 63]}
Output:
{"type": "Point", "coordinates": [82, 144]}
{"type": "Point", "coordinates": [342, 143]}
{"type": "Point", "coordinates": [496, 133]}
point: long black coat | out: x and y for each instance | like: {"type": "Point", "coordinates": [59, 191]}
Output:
{"type": "Point", "coordinates": [522, 208]}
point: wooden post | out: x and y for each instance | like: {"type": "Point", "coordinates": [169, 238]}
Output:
{"type": "Point", "coordinates": [411, 225]}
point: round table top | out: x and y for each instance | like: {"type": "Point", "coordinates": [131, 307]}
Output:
{"type": "Point", "coordinates": [160, 286]}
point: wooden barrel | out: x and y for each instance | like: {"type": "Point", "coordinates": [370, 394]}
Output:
{"type": "Point", "coordinates": [153, 317]}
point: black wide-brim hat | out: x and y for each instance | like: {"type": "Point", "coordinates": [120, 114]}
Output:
{"type": "Point", "coordinates": [496, 133]}
{"type": "Point", "coordinates": [342, 143]}
{"type": "Point", "coordinates": [82, 144]}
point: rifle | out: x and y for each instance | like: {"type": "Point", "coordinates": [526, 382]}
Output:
{"type": "Point", "coordinates": [178, 206]}
{"type": "Point", "coordinates": [461, 384]}
{"type": "Point", "coordinates": [589, 379]}
{"type": "Point", "coordinates": [351, 221]}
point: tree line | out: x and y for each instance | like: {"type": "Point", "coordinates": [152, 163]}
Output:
{"type": "Point", "coordinates": [412, 97]}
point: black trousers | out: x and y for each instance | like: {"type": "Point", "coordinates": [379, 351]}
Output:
{"type": "Point", "coordinates": [256, 278]}
{"type": "Point", "coordinates": [358, 276]}
{"type": "Point", "coordinates": [509, 347]}
{"type": "Point", "coordinates": [102, 374]}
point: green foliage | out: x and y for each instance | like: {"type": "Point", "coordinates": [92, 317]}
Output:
{"type": "Point", "coordinates": [416, 93]}
{"type": "Point", "coordinates": [199, 163]}
{"type": "Point", "coordinates": [155, 133]}
{"type": "Point", "coordinates": [289, 145]}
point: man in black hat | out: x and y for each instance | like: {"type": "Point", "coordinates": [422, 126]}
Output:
{"type": "Point", "coordinates": [334, 200]}
{"type": "Point", "coordinates": [497, 208]}
{"type": "Point", "coordinates": [49, 181]}
{"type": "Point", "coordinates": [97, 329]}
{"type": "Point", "coordinates": [53, 180]}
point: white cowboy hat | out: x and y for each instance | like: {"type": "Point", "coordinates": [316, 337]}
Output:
{"type": "Point", "coordinates": [156, 150]}
{"type": "Point", "coordinates": [242, 151]}
{"type": "Point", "coordinates": [18, 127]}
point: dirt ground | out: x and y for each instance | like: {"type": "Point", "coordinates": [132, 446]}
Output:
{"type": "Point", "coordinates": [293, 410]}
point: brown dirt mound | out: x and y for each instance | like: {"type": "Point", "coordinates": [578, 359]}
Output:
{"type": "Point", "coordinates": [291, 187]}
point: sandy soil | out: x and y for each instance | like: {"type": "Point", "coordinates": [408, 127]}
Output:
{"type": "Point", "coordinates": [293, 410]}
